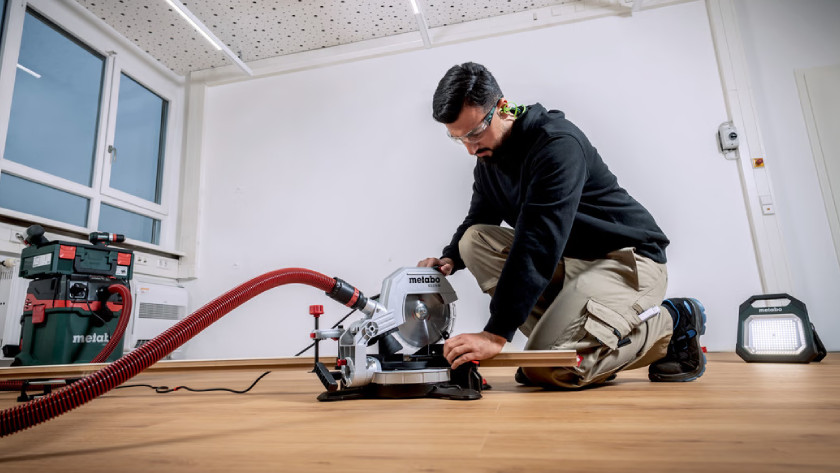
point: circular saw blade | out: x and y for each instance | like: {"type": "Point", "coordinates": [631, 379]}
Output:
{"type": "Point", "coordinates": [426, 318]}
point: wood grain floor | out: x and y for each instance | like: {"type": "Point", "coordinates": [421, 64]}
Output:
{"type": "Point", "coordinates": [739, 417]}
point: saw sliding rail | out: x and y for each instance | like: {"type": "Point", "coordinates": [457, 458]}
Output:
{"type": "Point", "coordinates": [536, 358]}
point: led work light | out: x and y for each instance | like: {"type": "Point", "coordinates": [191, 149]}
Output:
{"type": "Point", "coordinates": [778, 334]}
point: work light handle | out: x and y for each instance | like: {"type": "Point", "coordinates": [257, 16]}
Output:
{"type": "Point", "coordinates": [765, 297]}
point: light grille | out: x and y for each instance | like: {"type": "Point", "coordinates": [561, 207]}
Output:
{"type": "Point", "coordinates": [781, 334]}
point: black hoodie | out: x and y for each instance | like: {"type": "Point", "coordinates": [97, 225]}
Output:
{"type": "Point", "coordinates": [549, 183]}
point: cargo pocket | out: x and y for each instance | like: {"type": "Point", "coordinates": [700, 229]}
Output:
{"type": "Point", "coordinates": [609, 326]}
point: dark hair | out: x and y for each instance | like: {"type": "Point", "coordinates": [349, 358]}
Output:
{"type": "Point", "coordinates": [468, 84]}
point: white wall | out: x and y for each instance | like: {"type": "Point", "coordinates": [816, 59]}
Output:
{"type": "Point", "coordinates": [780, 37]}
{"type": "Point", "coordinates": [341, 169]}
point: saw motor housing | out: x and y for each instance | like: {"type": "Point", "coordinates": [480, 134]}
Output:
{"type": "Point", "coordinates": [413, 315]}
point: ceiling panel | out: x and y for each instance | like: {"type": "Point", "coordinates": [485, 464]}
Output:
{"type": "Point", "coordinates": [260, 29]}
{"type": "Point", "coordinates": [157, 29]}
{"type": "Point", "coordinates": [450, 12]}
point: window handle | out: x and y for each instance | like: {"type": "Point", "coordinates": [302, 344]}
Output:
{"type": "Point", "coordinates": [113, 151]}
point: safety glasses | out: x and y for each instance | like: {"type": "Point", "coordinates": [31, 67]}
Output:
{"type": "Point", "coordinates": [475, 134]}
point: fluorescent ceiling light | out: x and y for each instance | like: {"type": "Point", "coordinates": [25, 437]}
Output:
{"type": "Point", "coordinates": [208, 35]}
{"type": "Point", "coordinates": [188, 17]}
{"type": "Point", "coordinates": [421, 23]}
{"type": "Point", "coordinates": [29, 71]}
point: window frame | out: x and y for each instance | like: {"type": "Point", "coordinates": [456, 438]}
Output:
{"type": "Point", "coordinates": [121, 57]}
{"type": "Point", "coordinates": [3, 5]}
{"type": "Point", "coordinates": [112, 133]}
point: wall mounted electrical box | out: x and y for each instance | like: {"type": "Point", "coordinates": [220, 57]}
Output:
{"type": "Point", "coordinates": [728, 139]}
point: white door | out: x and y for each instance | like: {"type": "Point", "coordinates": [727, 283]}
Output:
{"type": "Point", "coordinates": [819, 92]}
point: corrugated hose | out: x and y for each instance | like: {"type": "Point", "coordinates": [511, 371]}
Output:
{"type": "Point", "coordinates": [94, 385]}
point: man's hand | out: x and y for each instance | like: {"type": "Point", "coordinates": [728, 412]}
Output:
{"type": "Point", "coordinates": [445, 265]}
{"type": "Point", "coordinates": [468, 347]}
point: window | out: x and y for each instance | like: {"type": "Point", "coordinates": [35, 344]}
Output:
{"type": "Point", "coordinates": [92, 137]}
{"type": "Point", "coordinates": [55, 106]}
{"type": "Point", "coordinates": [2, 18]}
{"type": "Point", "coordinates": [141, 119]}
{"type": "Point", "coordinates": [132, 225]}
{"type": "Point", "coordinates": [37, 199]}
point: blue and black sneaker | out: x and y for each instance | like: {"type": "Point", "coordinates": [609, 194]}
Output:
{"type": "Point", "coordinates": [685, 360]}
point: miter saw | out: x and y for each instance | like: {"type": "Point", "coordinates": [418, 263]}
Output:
{"type": "Point", "coordinates": [413, 315]}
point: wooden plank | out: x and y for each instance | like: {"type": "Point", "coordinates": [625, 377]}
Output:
{"type": "Point", "coordinates": [533, 358]}
{"type": "Point", "coordinates": [515, 358]}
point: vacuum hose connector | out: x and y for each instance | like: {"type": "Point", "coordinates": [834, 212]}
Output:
{"type": "Point", "coordinates": [90, 387]}
{"type": "Point", "coordinates": [119, 331]}
{"type": "Point", "coordinates": [354, 299]}
{"type": "Point", "coordinates": [347, 294]}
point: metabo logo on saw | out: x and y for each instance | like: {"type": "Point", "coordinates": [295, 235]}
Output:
{"type": "Point", "coordinates": [421, 279]}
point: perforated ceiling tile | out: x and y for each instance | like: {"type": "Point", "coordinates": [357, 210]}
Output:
{"type": "Point", "coordinates": [161, 32]}
{"type": "Point", "coordinates": [450, 12]}
{"type": "Point", "coordinates": [259, 29]}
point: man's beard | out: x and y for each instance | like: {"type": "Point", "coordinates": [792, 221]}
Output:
{"type": "Point", "coordinates": [491, 159]}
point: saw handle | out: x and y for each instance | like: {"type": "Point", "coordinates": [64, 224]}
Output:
{"type": "Point", "coordinates": [327, 377]}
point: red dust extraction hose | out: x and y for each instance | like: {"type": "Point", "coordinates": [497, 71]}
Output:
{"type": "Point", "coordinates": [116, 338]}
{"type": "Point", "coordinates": [11, 385]}
{"type": "Point", "coordinates": [90, 387]}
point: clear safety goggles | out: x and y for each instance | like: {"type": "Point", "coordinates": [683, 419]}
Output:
{"type": "Point", "coordinates": [475, 134]}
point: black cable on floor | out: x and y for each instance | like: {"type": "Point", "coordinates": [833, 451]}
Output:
{"type": "Point", "coordinates": [167, 389]}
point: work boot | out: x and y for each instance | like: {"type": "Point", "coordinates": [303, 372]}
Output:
{"type": "Point", "coordinates": [685, 360]}
{"type": "Point", "coordinates": [520, 378]}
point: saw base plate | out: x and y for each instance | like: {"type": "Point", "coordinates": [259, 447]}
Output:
{"type": "Point", "coordinates": [397, 381]}
{"type": "Point", "coordinates": [402, 391]}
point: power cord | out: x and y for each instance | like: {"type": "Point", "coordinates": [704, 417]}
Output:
{"type": "Point", "coordinates": [167, 389]}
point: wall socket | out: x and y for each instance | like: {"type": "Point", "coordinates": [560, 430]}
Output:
{"type": "Point", "coordinates": [141, 260]}
{"type": "Point", "coordinates": [154, 265]}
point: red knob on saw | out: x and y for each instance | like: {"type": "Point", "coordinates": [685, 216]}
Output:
{"type": "Point", "coordinates": [316, 310]}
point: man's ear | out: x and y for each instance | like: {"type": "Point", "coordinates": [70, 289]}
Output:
{"type": "Point", "coordinates": [509, 108]}
{"type": "Point", "coordinates": [503, 106]}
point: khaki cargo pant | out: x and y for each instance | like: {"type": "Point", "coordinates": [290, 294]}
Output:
{"type": "Point", "coordinates": [596, 313]}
